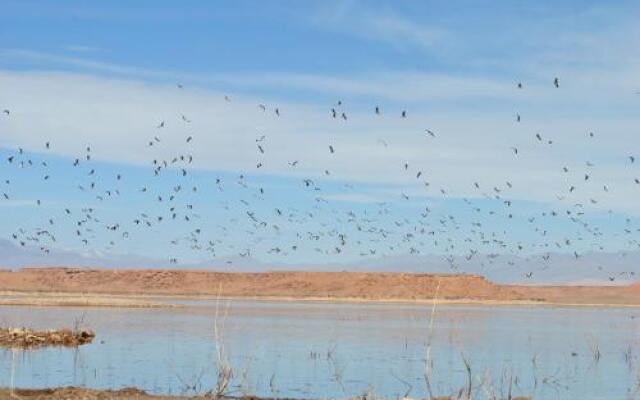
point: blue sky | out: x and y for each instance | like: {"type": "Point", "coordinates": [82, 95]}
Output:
{"type": "Point", "coordinates": [78, 73]}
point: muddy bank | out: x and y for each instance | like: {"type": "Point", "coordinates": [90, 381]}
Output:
{"type": "Point", "coordinates": [72, 393]}
{"type": "Point", "coordinates": [25, 338]}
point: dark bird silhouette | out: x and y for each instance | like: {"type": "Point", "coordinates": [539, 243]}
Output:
{"type": "Point", "coordinates": [556, 82]}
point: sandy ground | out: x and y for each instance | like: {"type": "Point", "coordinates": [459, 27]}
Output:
{"type": "Point", "coordinates": [43, 283]}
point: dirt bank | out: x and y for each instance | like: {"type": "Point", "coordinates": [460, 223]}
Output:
{"type": "Point", "coordinates": [360, 286]}
{"type": "Point", "coordinates": [72, 393]}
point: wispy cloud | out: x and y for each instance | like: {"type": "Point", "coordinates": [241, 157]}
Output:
{"type": "Point", "coordinates": [79, 48]}
{"type": "Point", "coordinates": [472, 146]}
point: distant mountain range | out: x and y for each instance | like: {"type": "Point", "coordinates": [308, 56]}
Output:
{"type": "Point", "coordinates": [590, 268]}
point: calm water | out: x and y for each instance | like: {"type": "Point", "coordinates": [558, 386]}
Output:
{"type": "Point", "coordinates": [334, 350]}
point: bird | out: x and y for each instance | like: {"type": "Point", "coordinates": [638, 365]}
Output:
{"type": "Point", "coordinates": [331, 149]}
{"type": "Point", "coordinates": [6, 111]}
{"type": "Point", "coordinates": [430, 133]}
{"type": "Point", "coordinates": [404, 114]}
{"type": "Point", "coordinates": [556, 82]}
{"type": "Point", "coordinates": [377, 110]}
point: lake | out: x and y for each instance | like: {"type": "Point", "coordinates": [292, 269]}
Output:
{"type": "Point", "coordinates": [321, 350]}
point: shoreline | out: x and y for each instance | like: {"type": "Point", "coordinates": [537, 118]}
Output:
{"type": "Point", "coordinates": [131, 393]}
{"type": "Point", "coordinates": [162, 301]}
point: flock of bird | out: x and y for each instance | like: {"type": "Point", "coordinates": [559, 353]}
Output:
{"type": "Point", "coordinates": [321, 226]}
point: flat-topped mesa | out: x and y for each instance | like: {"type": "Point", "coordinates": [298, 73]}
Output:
{"type": "Point", "coordinates": [285, 284]}
{"type": "Point", "coordinates": [292, 285]}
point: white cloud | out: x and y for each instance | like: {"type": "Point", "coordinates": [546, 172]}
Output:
{"type": "Point", "coordinates": [119, 117]}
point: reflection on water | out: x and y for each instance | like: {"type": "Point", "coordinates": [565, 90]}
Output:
{"type": "Point", "coordinates": [333, 350]}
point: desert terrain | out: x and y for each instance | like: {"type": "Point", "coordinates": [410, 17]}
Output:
{"type": "Point", "coordinates": [318, 286]}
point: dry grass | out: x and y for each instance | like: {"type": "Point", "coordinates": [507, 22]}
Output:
{"type": "Point", "coordinates": [25, 338]}
{"type": "Point", "coordinates": [79, 301]}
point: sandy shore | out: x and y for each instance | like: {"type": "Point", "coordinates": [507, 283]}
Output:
{"type": "Point", "coordinates": [39, 299]}
{"type": "Point", "coordinates": [143, 288]}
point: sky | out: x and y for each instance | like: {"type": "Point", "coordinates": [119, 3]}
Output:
{"type": "Point", "coordinates": [106, 75]}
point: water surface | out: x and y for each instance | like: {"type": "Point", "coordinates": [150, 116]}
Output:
{"type": "Point", "coordinates": [321, 350]}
